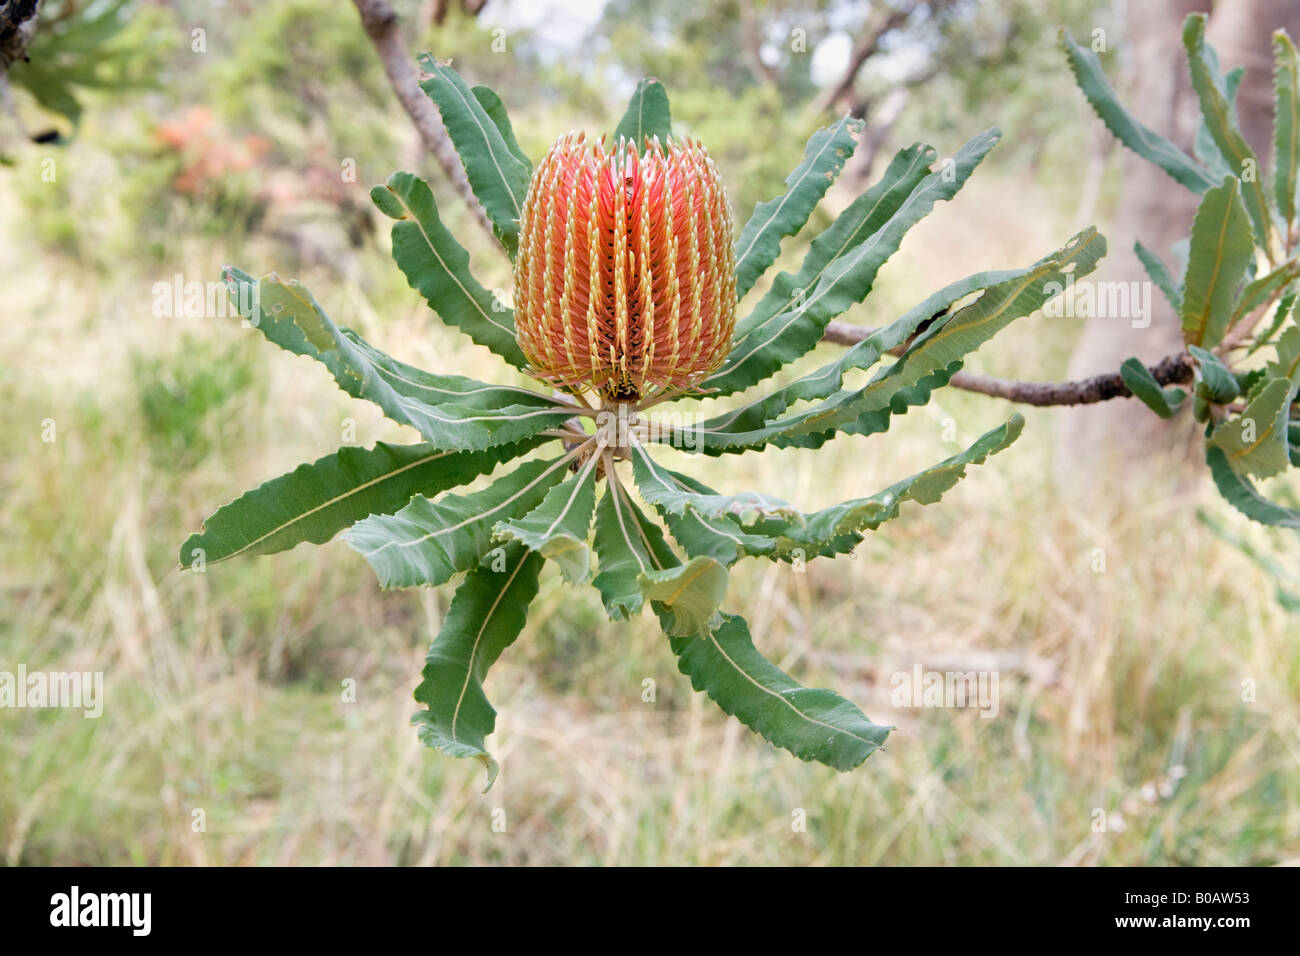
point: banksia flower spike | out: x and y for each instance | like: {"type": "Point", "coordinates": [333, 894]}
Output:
{"type": "Point", "coordinates": [625, 279]}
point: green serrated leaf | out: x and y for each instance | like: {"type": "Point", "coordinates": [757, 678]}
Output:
{"type": "Point", "coordinates": [315, 501]}
{"type": "Point", "coordinates": [1280, 315]}
{"type": "Point", "coordinates": [1287, 363]}
{"type": "Point", "coordinates": [927, 364]}
{"type": "Point", "coordinates": [496, 111]}
{"type": "Point", "coordinates": [438, 389]}
{"type": "Point", "coordinates": [1220, 250]}
{"type": "Point", "coordinates": [757, 415]}
{"type": "Point", "coordinates": [1286, 124]}
{"type": "Point", "coordinates": [486, 615]}
{"type": "Point", "coordinates": [757, 348]}
{"type": "Point", "coordinates": [1145, 388]}
{"type": "Point", "coordinates": [628, 546]}
{"type": "Point", "coordinates": [1217, 384]}
{"type": "Point", "coordinates": [833, 530]}
{"type": "Point", "coordinates": [1255, 443]}
{"type": "Point", "coordinates": [693, 592]}
{"type": "Point", "coordinates": [437, 266]}
{"type": "Point", "coordinates": [1252, 381]}
{"type": "Point", "coordinates": [719, 538]}
{"type": "Point", "coordinates": [658, 488]}
{"type": "Point", "coordinates": [557, 528]}
{"type": "Point", "coordinates": [468, 416]}
{"type": "Point", "coordinates": [1218, 115]}
{"type": "Point", "coordinates": [818, 530]}
{"type": "Point", "coordinates": [428, 542]}
{"type": "Point", "coordinates": [842, 263]}
{"type": "Point", "coordinates": [1241, 494]}
{"type": "Point", "coordinates": [1160, 275]}
{"type": "Point", "coordinates": [1204, 147]}
{"type": "Point", "coordinates": [933, 357]}
{"type": "Point", "coordinates": [1142, 140]}
{"type": "Point", "coordinates": [812, 724]}
{"type": "Point", "coordinates": [1262, 290]}
{"type": "Point", "coordinates": [760, 240]}
{"type": "Point", "coordinates": [647, 115]}
{"type": "Point", "coordinates": [497, 172]}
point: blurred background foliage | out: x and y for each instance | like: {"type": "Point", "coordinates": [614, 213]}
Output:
{"type": "Point", "coordinates": [191, 134]}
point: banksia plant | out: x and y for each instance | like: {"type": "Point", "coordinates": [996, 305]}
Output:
{"type": "Point", "coordinates": [1237, 286]}
{"type": "Point", "coordinates": [628, 282]}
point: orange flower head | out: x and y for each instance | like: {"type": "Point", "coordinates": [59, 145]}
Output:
{"type": "Point", "coordinates": [625, 280]}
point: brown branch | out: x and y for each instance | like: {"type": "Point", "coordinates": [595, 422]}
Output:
{"type": "Point", "coordinates": [380, 23]}
{"type": "Point", "coordinates": [17, 25]}
{"type": "Point", "coordinates": [1173, 369]}
{"type": "Point", "coordinates": [865, 48]}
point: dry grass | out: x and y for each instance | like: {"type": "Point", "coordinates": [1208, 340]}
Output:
{"type": "Point", "coordinates": [223, 688]}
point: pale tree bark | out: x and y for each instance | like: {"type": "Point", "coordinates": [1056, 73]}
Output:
{"type": "Point", "coordinates": [1158, 211]}
{"type": "Point", "coordinates": [763, 74]}
{"type": "Point", "coordinates": [380, 23]}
